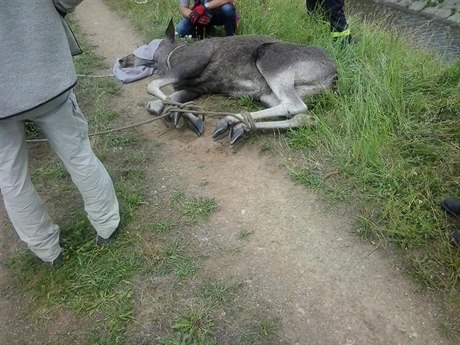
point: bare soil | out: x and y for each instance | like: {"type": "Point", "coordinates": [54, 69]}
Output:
{"type": "Point", "coordinates": [300, 260]}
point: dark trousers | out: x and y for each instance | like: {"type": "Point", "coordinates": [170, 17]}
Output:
{"type": "Point", "coordinates": [334, 11]}
{"type": "Point", "coordinates": [226, 16]}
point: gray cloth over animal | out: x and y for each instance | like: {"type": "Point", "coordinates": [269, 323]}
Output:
{"type": "Point", "coordinates": [130, 74]}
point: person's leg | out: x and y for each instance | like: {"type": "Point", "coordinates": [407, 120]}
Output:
{"type": "Point", "coordinates": [185, 28]}
{"type": "Point", "coordinates": [313, 4]}
{"type": "Point", "coordinates": [334, 9]}
{"type": "Point", "coordinates": [67, 133]}
{"type": "Point", "coordinates": [22, 202]}
{"type": "Point", "coordinates": [226, 16]}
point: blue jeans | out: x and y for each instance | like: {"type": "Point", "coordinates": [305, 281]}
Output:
{"type": "Point", "coordinates": [225, 15]}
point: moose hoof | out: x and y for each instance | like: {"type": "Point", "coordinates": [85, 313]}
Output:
{"type": "Point", "coordinates": [155, 107]}
{"type": "Point", "coordinates": [221, 130]}
{"type": "Point", "coordinates": [224, 126]}
{"type": "Point", "coordinates": [237, 133]}
{"type": "Point", "coordinates": [177, 120]}
{"type": "Point", "coordinates": [194, 123]}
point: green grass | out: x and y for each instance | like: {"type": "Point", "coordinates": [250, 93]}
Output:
{"type": "Point", "coordinates": [217, 293]}
{"type": "Point", "coordinates": [54, 171]}
{"type": "Point", "coordinates": [192, 327]}
{"type": "Point", "coordinates": [193, 210]}
{"type": "Point", "coordinates": [164, 226]}
{"type": "Point", "coordinates": [392, 133]}
{"type": "Point", "coordinates": [266, 329]}
{"type": "Point", "coordinates": [92, 280]}
{"type": "Point", "coordinates": [172, 259]}
{"type": "Point", "coordinates": [245, 234]}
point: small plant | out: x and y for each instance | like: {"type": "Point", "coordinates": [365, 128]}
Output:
{"type": "Point", "coordinates": [266, 329]}
{"type": "Point", "coordinates": [198, 207]}
{"type": "Point", "coordinates": [163, 226]}
{"type": "Point", "coordinates": [173, 260]}
{"type": "Point", "coordinates": [118, 140]}
{"type": "Point", "coordinates": [132, 174]}
{"type": "Point", "coordinates": [177, 198]}
{"type": "Point", "coordinates": [266, 147]}
{"type": "Point", "coordinates": [53, 171]}
{"type": "Point", "coordinates": [308, 177]}
{"type": "Point", "coordinates": [249, 104]}
{"type": "Point", "coordinates": [191, 328]}
{"type": "Point", "coordinates": [218, 293]}
{"type": "Point", "coordinates": [32, 131]}
{"type": "Point", "coordinates": [245, 234]}
{"type": "Point", "coordinates": [195, 209]}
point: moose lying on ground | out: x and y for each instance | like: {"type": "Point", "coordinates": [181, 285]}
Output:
{"type": "Point", "coordinates": [276, 73]}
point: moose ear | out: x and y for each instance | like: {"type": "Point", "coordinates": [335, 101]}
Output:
{"type": "Point", "coordinates": [170, 31]}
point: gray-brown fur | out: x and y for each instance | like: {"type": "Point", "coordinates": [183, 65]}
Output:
{"type": "Point", "coordinates": [274, 72]}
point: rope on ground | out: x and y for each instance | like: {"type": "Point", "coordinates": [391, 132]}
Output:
{"type": "Point", "coordinates": [107, 131]}
{"type": "Point", "coordinates": [172, 107]}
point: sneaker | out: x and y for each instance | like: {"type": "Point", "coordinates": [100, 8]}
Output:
{"type": "Point", "coordinates": [451, 206]}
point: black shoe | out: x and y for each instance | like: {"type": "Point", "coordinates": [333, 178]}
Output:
{"type": "Point", "coordinates": [101, 241]}
{"type": "Point", "coordinates": [451, 206]}
{"type": "Point", "coordinates": [56, 263]}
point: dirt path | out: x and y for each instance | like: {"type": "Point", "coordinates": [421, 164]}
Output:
{"type": "Point", "coordinates": [327, 286]}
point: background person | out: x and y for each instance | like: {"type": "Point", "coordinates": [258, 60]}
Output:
{"type": "Point", "coordinates": [199, 14]}
{"type": "Point", "coordinates": [37, 84]}
{"type": "Point", "coordinates": [336, 15]}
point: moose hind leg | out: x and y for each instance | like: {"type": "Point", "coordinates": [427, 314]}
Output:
{"type": "Point", "coordinates": [295, 122]}
{"type": "Point", "coordinates": [289, 105]}
{"type": "Point", "coordinates": [238, 126]}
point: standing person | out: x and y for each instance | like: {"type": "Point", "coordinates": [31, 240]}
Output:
{"type": "Point", "coordinates": [336, 15]}
{"type": "Point", "coordinates": [199, 14]}
{"type": "Point", "coordinates": [37, 84]}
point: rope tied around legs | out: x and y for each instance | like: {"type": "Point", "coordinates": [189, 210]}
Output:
{"type": "Point", "coordinates": [190, 107]}
{"type": "Point", "coordinates": [187, 107]}
{"type": "Point", "coordinates": [248, 120]}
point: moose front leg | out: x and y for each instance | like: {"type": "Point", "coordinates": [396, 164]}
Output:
{"type": "Point", "coordinates": [154, 87]}
{"type": "Point", "coordinates": [194, 122]}
{"type": "Point", "coordinates": [182, 96]}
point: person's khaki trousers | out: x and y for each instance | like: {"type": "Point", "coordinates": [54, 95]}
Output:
{"type": "Point", "coordinates": [66, 129]}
